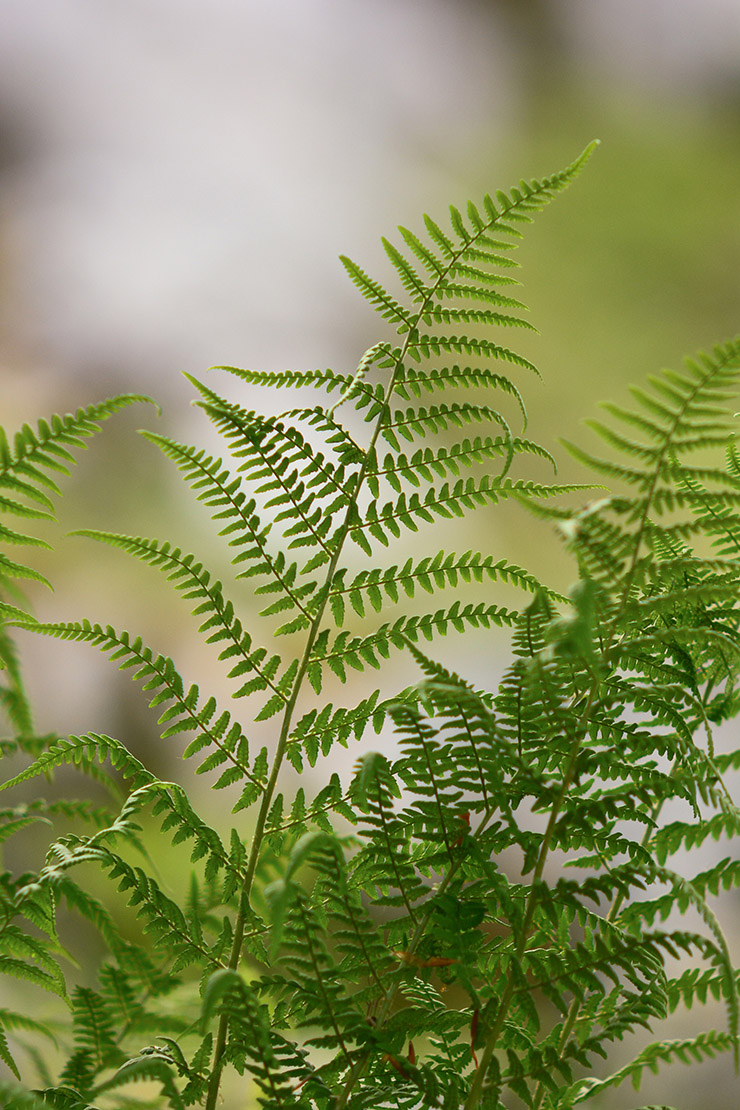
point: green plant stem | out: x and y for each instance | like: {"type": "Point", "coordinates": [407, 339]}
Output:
{"type": "Point", "coordinates": [258, 835]}
{"type": "Point", "coordinates": [313, 632]}
{"type": "Point", "coordinates": [476, 1089]}
{"type": "Point", "coordinates": [575, 1006]}
{"type": "Point", "coordinates": [390, 997]}
{"type": "Point", "coordinates": [282, 745]}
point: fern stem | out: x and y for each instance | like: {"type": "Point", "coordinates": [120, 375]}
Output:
{"type": "Point", "coordinates": [575, 1006]}
{"type": "Point", "coordinates": [323, 598]}
{"type": "Point", "coordinates": [282, 745]}
{"type": "Point", "coordinates": [665, 448]}
{"type": "Point", "coordinates": [473, 1099]}
{"type": "Point", "coordinates": [390, 995]}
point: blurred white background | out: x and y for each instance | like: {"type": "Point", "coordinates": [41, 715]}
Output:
{"type": "Point", "coordinates": [177, 178]}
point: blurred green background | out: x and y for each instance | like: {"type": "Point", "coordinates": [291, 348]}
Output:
{"type": "Point", "coordinates": [177, 178]}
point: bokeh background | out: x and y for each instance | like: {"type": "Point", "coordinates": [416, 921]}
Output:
{"type": "Point", "coordinates": [177, 178]}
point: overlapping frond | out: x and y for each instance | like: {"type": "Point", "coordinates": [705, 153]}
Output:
{"type": "Point", "coordinates": [31, 466]}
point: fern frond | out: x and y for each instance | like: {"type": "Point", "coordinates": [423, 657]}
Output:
{"type": "Point", "coordinates": [338, 438]}
{"type": "Point", "coordinates": [412, 382]}
{"type": "Point", "coordinates": [438, 315]}
{"type": "Point", "coordinates": [83, 751]}
{"type": "Point", "coordinates": [24, 468]}
{"type": "Point", "coordinates": [157, 1066]}
{"type": "Point", "coordinates": [27, 467]}
{"type": "Point", "coordinates": [267, 441]}
{"type": "Point", "coordinates": [679, 418]}
{"type": "Point", "coordinates": [446, 502]}
{"type": "Point", "coordinates": [183, 712]}
{"type": "Point", "coordinates": [26, 965]}
{"type": "Point", "coordinates": [418, 422]}
{"type": "Point", "coordinates": [470, 240]}
{"type": "Point", "coordinates": [385, 861]}
{"type": "Point", "coordinates": [388, 307]}
{"type": "Point", "coordinates": [317, 730]}
{"type": "Point", "coordinates": [426, 462]}
{"type": "Point", "coordinates": [680, 834]}
{"type": "Point", "coordinates": [260, 1050]}
{"type": "Point", "coordinates": [164, 920]}
{"type": "Point", "coordinates": [192, 580]}
{"type": "Point", "coordinates": [705, 1046]}
{"type": "Point", "coordinates": [16, 1097]}
{"type": "Point", "coordinates": [356, 652]}
{"type": "Point", "coordinates": [219, 489]}
{"type": "Point", "coordinates": [268, 456]}
{"type": "Point", "coordinates": [429, 346]}
{"type": "Point", "coordinates": [277, 379]}
{"type": "Point", "coordinates": [429, 574]}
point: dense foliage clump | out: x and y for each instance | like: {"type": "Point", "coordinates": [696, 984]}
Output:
{"type": "Point", "coordinates": [480, 919]}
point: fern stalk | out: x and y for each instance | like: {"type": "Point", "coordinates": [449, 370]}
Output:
{"type": "Point", "coordinates": [391, 994]}
{"type": "Point", "coordinates": [476, 1089]}
{"type": "Point", "coordinates": [313, 632]}
{"type": "Point", "coordinates": [282, 744]}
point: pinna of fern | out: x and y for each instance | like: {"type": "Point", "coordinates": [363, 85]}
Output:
{"type": "Point", "coordinates": [30, 469]}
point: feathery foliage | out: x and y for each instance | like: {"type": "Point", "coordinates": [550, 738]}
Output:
{"type": "Point", "coordinates": [483, 915]}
